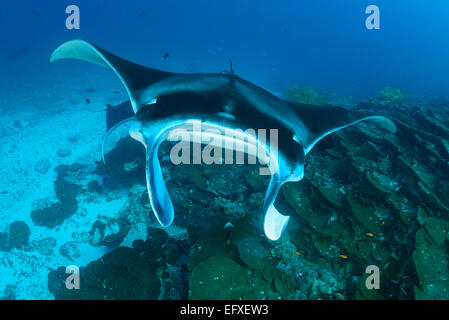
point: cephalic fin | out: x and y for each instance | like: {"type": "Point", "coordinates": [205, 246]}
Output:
{"type": "Point", "coordinates": [107, 134]}
{"type": "Point", "coordinates": [274, 222]}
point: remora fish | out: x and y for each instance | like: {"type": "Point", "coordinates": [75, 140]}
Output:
{"type": "Point", "coordinates": [165, 101]}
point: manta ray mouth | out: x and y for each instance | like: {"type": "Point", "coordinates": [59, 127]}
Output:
{"type": "Point", "coordinates": [217, 136]}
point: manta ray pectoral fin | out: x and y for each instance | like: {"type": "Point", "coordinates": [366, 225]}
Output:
{"type": "Point", "coordinates": [321, 121]}
{"type": "Point", "coordinates": [133, 76]}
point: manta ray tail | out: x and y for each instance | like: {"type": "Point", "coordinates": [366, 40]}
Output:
{"type": "Point", "coordinates": [133, 76]}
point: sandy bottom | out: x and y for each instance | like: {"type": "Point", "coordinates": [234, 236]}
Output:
{"type": "Point", "coordinates": [52, 109]}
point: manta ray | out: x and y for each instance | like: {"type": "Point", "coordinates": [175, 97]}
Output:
{"type": "Point", "coordinates": [165, 101]}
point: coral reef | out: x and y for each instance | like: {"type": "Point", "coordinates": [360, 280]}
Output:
{"type": "Point", "coordinates": [307, 95]}
{"type": "Point", "coordinates": [366, 199]}
{"type": "Point", "coordinates": [391, 96]}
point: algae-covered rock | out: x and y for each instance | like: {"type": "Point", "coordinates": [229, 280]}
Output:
{"type": "Point", "coordinates": [253, 252]}
{"type": "Point", "coordinates": [222, 278]}
{"type": "Point", "coordinates": [334, 194]}
{"type": "Point", "coordinates": [431, 260]}
{"type": "Point", "coordinates": [375, 220]}
{"type": "Point", "coordinates": [214, 243]}
{"type": "Point", "coordinates": [228, 210]}
{"type": "Point", "coordinates": [19, 233]}
{"type": "Point", "coordinates": [109, 232]}
{"type": "Point", "coordinates": [382, 182]}
{"type": "Point", "coordinates": [70, 250]}
{"type": "Point", "coordinates": [391, 96]}
{"type": "Point", "coordinates": [120, 274]}
{"type": "Point", "coordinates": [44, 246]}
{"type": "Point", "coordinates": [55, 214]}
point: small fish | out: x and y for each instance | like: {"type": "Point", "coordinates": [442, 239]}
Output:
{"type": "Point", "coordinates": [87, 101]}
{"type": "Point", "coordinates": [369, 234]}
{"type": "Point", "coordinates": [115, 91]}
{"type": "Point", "coordinates": [343, 256]}
{"type": "Point", "coordinates": [298, 253]}
{"type": "Point", "coordinates": [165, 56]}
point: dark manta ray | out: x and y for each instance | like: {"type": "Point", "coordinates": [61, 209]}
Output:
{"type": "Point", "coordinates": [164, 101]}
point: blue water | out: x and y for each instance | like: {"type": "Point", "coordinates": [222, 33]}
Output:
{"type": "Point", "coordinates": [323, 44]}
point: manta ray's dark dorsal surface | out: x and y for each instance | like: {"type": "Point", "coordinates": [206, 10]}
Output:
{"type": "Point", "coordinates": [164, 102]}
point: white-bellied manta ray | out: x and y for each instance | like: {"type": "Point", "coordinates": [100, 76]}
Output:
{"type": "Point", "coordinates": [164, 101]}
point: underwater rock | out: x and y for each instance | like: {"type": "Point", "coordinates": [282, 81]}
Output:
{"type": "Point", "coordinates": [70, 250]}
{"type": "Point", "coordinates": [17, 236]}
{"type": "Point", "coordinates": [432, 200]}
{"type": "Point", "coordinates": [382, 182]}
{"type": "Point", "coordinates": [94, 186]}
{"type": "Point", "coordinates": [391, 96]}
{"type": "Point", "coordinates": [121, 274]}
{"type": "Point", "coordinates": [19, 233]}
{"type": "Point", "coordinates": [44, 246]}
{"type": "Point", "coordinates": [55, 214]}
{"type": "Point", "coordinates": [66, 191]}
{"type": "Point", "coordinates": [420, 170]}
{"type": "Point", "coordinates": [213, 243]}
{"type": "Point", "coordinates": [224, 279]}
{"type": "Point", "coordinates": [317, 218]}
{"type": "Point", "coordinates": [334, 194]}
{"type": "Point", "coordinates": [154, 251]}
{"type": "Point", "coordinates": [63, 152]}
{"type": "Point", "coordinates": [228, 210]}
{"type": "Point", "coordinates": [9, 293]}
{"type": "Point", "coordinates": [157, 237]}
{"type": "Point", "coordinates": [74, 139]}
{"type": "Point", "coordinates": [42, 166]}
{"type": "Point", "coordinates": [375, 220]}
{"type": "Point", "coordinates": [307, 95]}
{"type": "Point", "coordinates": [109, 232]}
{"type": "Point", "coordinates": [255, 180]}
{"type": "Point", "coordinates": [253, 252]}
{"type": "Point", "coordinates": [245, 227]}
{"type": "Point", "coordinates": [431, 260]}
{"type": "Point", "coordinates": [225, 180]}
